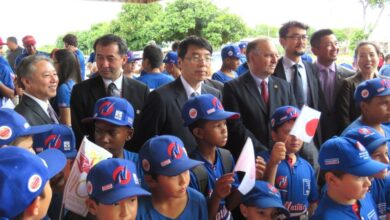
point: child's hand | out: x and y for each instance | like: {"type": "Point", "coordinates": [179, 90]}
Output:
{"type": "Point", "coordinates": [223, 185]}
{"type": "Point", "coordinates": [260, 167]}
{"type": "Point", "coordinates": [278, 153]}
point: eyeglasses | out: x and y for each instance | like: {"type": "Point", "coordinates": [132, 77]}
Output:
{"type": "Point", "coordinates": [198, 59]}
{"type": "Point", "coordinates": [298, 37]}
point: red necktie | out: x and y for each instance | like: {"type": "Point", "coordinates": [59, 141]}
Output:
{"type": "Point", "coordinates": [264, 91]}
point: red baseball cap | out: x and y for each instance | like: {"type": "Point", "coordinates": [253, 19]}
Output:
{"type": "Point", "coordinates": [2, 42]}
{"type": "Point", "coordinates": [29, 40]}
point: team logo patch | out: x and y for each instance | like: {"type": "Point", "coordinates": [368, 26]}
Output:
{"type": "Point", "coordinates": [5, 132]}
{"type": "Point", "coordinates": [89, 187]}
{"type": "Point", "coordinates": [292, 113]}
{"type": "Point", "coordinates": [217, 104]}
{"type": "Point", "coordinates": [66, 145]}
{"type": "Point", "coordinates": [193, 113]}
{"type": "Point", "coordinates": [364, 131]}
{"type": "Point", "coordinates": [306, 187]}
{"type": "Point", "coordinates": [26, 125]}
{"type": "Point", "coordinates": [34, 183]}
{"type": "Point", "coordinates": [332, 161]}
{"type": "Point", "coordinates": [175, 151]}
{"type": "Point", "coordinates": [281, 182]}
{"type": "Point", "coordinates": [365, 93]}
{"type": "Point", "coordinates": [273, 190]}
{"type": "Point", "coordinates": [53, 141]}
{"type": "Point", "coordinates": [121, 175]}
{"type": "Point", "coordinates": [106, 108]}
{"type": "Point", "coordinates": [230, 53]}
{"type": "Point", "coordinates": [118, 115]}
{"type": "Point", "coordinates": [146, 165]}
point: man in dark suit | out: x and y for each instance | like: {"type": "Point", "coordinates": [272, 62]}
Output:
{"type": "Point", "coordinates": [255, 95]}
{"type": "Point", "coordinates": [162, 111]}
{"type": "Point", "coordinates": [38, 78]}
{"type": "Point", "coordinates": [325, 46]}
{"type": "Point", "coordinates": [111, 54]}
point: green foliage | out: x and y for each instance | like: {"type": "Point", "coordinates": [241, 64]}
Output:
{"type": "Point", "coordinates": [265, 30]}
{"type": "Point", "coordinates": [356, 37]}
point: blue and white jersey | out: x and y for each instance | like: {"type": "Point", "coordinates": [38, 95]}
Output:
{"type": "Point", "coordinates": [6, 77]}
{"type": "Point", "coordinates": [241, 69]}
{"type": "Point", "coordinates": [196, 208]}
{"type": "Point", "coordinates": [154, 80]}
{"type": "Point", "coordinates": [63, 94]}
{"type": "Point", "coordinates": [214, 172]}
{"type": "Point", "coordinates": [380, 191]}
{"type": "Point", "coordinates": [242, 58]}
{"type": "Point", "coordinates": [80, 58]}
{"type": "Point", "coordinates": [330, 210]}
{"type": "Point", "coordinates": [222, 77]}
{"type": "Point", "coordinates": [297, 185]}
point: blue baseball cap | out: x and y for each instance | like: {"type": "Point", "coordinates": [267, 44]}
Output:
{"type": "Point", "coordinates": [348, 155]}
{"type": "Point", "coordinates": [112, 180]}
{"type": "Point", "coordinates": [131, 57]}
{"type": "Point", "coordinates": [264, 195]}
{"type": "Point", "coordinates": [284, 114]}
{"type": "Point", "coordinates": [60, 137]}
{"type": "Point", "coordinates": [371, 88]}
{"type": "Point", "coordinates": [114, 110]}
{"type": "Point", "coordinates": [170, 57]}
{"type": "Point", "coordinates": [243, 45]}
{"type": "Point", "coordinates": [206, 107]}
{"type": "Point", "coordinates": [165, 155]}
{"type": "Point", "coordinates": [14, 125]}
{"type": "Point", "coordinates": [230, 51]}
{"type": "Point", "coordinates": [369, 137]}
{"type": "Point", "coordinates": [23, 176]}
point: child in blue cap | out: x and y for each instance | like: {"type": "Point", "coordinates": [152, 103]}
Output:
{"type": "Point", "coordinates": [166, 166]}
{"type": "Point", "coordinates": [171, 64]}
{"type": "Point", "coordinates": [230, 61]}
{"type": "Point", "coordinates": [25, 191]}
{"type": "Point", "coordinates": [113, 188]}
{"type": "Point", "coordinates": [346, 166]}
{"type": "Point", "coordinates": [376, 146]}
{"type": "Point", "coordinates": [291, 174]}
{"type": "Point", "coordinates": [263, 202]}
{"type": "Point", "coordinates": [60, 137]}
{"type": "Point", "coordinates": [16, 131]}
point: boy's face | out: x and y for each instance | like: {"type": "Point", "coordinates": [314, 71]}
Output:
{"type": "Point", "coordinates": [174, 186]}
{"type": "Point", "coordinates": [214, 132]}
{"type": "Point", "coordinates": [377, 110]}
{"type": "Point", "coordinates": [350, 187]}
{"type": "Point", "coordinates": [45, 201]}
{"type": "Point", "coordinates": [232, 63]}
{"type": "Point", "coordinates": [112, 137]}
{"type": "Point", "coordinates": [282, 134]}
{"type": "Point", "coordinates": [25, 142]}
{"type": "Point", "coordinates": [124, 209]}
{"type": "Point", "coordinates": [381, 154]}
{"type": "Point", "coordinates": [255, 213]}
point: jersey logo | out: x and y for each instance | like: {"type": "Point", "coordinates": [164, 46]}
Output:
{"type": "Point", "coordinates": [281, 182]}
{"type": "Point", "coordinates": [53, 141]}
{"type": "Point", "coordinates": [121, 175]}
{"type": "Point", "coordinates": [306, 187]}
{"type": "Point", "coordinates": [106, 108]}
{"type": "Point", "coordinates": [365, 131]}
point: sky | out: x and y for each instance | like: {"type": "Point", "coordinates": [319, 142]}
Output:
{"type": "Point", "coordinates": [48, 19]}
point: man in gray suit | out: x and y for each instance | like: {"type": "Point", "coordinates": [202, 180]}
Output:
{"type": "Point", "coordinates": [39, 80]}
{"type": "Point", "coordinates": [325, 46]}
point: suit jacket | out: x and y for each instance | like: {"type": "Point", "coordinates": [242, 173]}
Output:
{"type": "Point", "coordinates": [242, 95]}
{"type": "Point", "coordinates": [85, 94]}
{"type": "Point", "coordinates": [162, 114]}
{"type": "Point", "coordinates": [214, 83]}
{"type": "Point", "coordinates": [33, 112]}
{"type": "Point", "coordinates": [329, 121]}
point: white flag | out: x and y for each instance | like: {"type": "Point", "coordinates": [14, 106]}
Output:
{"type": "Point", "coordinates": [75, 192]}
{"type": "Point", "coordinates": [246, 163]}
{"type": "Point", "coordinates": [305, 125]}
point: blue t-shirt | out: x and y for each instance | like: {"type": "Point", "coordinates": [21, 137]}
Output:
{"type": "Point", "coordinates": [214, 171]}
{"type": "Point", "coordinates": [243, 68]}
{"type": "Point", "coordinates": [6, 77]}
{"type": "Point", "coordinates": [63, 94]}
{"type": "Point", "coordinates": [242, 58]}
{"type": "Point", "coordinates": [297, 185]}
{"type": "Point", "coordinates": [330, 210]}
{"type": "Point", "coordinates": [196, 208]}
{"type": "Point", "coordinates": [222, 77]}
{"type": "Point", "coordinates": [385, 70]}
{"type": "Point", "coordinates": [380, 191]}
{"type": "Point", "coordinates": [80, 57]}
{"type": "Point", "coordinates": [154, 80]}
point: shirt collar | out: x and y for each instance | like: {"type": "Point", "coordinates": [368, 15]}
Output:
{"type": "Point", "coordinates": [257, 79]}
{"type": "Point", "coordinates": [189, 90]}
{"type": "Point", "coordinates": [321, 67]}
{"type": "Point", "coordinates": [117, 82]}
{"type": "Point", "coordinates": [289, 63]}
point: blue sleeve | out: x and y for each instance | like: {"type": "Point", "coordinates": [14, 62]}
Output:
{"type": "Point", "coordinates": [387, 193]}
{"type": "Point", "coordinates": [217, 77]}
{"type": "Point", "coordinates": [6, 76]}
{"type": "Point", "coordinates": [203, 208]}
{"type": "Point", "coordinates": [194, 181]}
{"type": "Point", "coordinates": [314, 197]}
{"type": "Point", "coordinates": [63, 96]}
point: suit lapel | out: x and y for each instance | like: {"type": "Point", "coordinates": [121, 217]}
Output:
{"type": "Point", "coordinates": [252, 89]}
{"type": "Point", "coordinates": [98, 90]}
{"type": "Point", "coordinates": [37, 109]}
{"type": "Point", "coordinates": [126, 88]}
{"type": "Point", "coordinates": [311, 81]}
{"type": "Point", "coordinates": [181, 95]}
{"type": "Point", "coordinates": [279, 70]}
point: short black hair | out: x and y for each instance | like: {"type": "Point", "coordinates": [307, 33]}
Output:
{"type": "Point", "coordinates": [363, 43]}
{"type": "Point", "coordinates": [175, 45]}
{"type": "Point", "coordinates": [197, 124]}
{"type": "Point", "coordinates": [315, 39]}
{"type": "Point", "coordinates": [108, 39]}
{"type": "Point", "coordinates": [12, 39]}
{"type": "Point", "coordinates": [193, 41]}
{"type": "Point", "coordinates": [154, 55]}
{"type": "Point", "coordinates": [283, 31]}
{"type": "Point", "coordinates": [70, 39]}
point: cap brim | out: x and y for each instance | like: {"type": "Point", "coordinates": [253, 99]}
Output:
{"type": "Point", "coordinates": [375, 144]}
{"type": "Point", "coordinates": [180, 167]}
{"type": "Point", "coordinates": [54, 159]}
{"type": "Point", "coordinates": [38, 129]}
{"type": "Point", "coordinates": [268, 203]}
{"type": "Point", "coordinates": [122, 193]}
{"type": "Point", "coordinates": [368, 168]}
{"type": "Point", "coordinates": [385, 93]}
{"type": "Point", "coordinates": [92, 119]}
{"type": "Point", "coordinates": [220, 115]}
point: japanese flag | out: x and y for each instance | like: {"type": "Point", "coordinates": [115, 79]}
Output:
{"type": "Point", "coordinates": [305, 125]}
{"type": "Point", "coordinates": [246, 163]}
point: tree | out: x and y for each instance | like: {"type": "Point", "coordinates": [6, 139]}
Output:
{"type": "Point", "coordinates": [368, 29]}
{"type": "Point", "coordinates": [265, 30]}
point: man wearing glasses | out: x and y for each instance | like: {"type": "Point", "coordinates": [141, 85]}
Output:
{"type": "Point", "coordinates": [162, 111]}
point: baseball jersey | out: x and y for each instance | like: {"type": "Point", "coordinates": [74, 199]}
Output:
{"type": "Point", "coordinates": [243, 68]}
{"type": "Point", "coordinates": [6, 77]}
{"type": "Point", "coordinates": [222, 77]}
{"type": "Point", "coordinates": [196, 208]}
{"type": "Point", "coordinates": [80, 58]}
{"type": "Point", "coordinates": [297, 185]}
{"type": "Point", "coordinates": [330, 210]}
{"type": "Point", "coordinates": [380, 191]}
{"type": "Point", "coordinates": [63, 94]}
{"type": "Point", "coordinates": [214, 171]}
{"type": "Point", "coordinates": [154, 80]}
